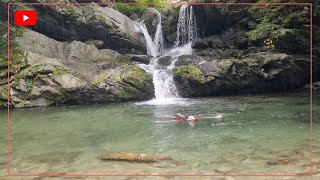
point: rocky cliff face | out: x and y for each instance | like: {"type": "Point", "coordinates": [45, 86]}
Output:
{"type": "Point", "coordinates": [90, 22]}
{"type": "Point", "coordinates": [74, 73]}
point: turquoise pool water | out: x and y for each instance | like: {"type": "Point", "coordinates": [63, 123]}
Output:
{"type": "Point", "coordinates": [260, 134]}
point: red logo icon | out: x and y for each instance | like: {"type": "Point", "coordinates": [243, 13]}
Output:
{"type": "Point", "coordinates": [25, 17]}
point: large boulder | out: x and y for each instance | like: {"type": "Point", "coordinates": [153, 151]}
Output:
{"type": "Point", "coordinates": [90, 22]}
{"type": "Point", "coordinates": [74, 73]}
{"type": "Point", "coordinates": [263, 72]}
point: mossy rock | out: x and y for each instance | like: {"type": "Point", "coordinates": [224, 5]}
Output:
{"type": "Point", "coordinates": [17, 56]}
{"type": "Point", "coordinates": [3, 63]}
{"type": "Point", "coordinates": [33, 70]}
{"type": "Point", "coordinates": [137, 84]}
{"type": "Point", "coordinates": [24, 104]}
{"type": "Point", "coordinates": [70, 13]}
{"type": "Point", "coordinates": [3, 81]}
{"type": "Point", "coordinates": [4, 92]}
{"type": "Point", "coordinates": [101, 78]}
{"type": "Point", "coordinates": [230, 53]}
{"type": "Point", "coordinates": [58, 70]}
{"type": "Point", "coordinates": [136, 75]}
{"type": "Point", "coordinates": [4, 73]}
{"type": "Point", "coordinates": [189, 72]}
{"type": "Point", "coordinates": [127, 93]}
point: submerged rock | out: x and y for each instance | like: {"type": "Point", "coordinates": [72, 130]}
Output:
{"type": "Point", "coordinates": [131, 157]}
{"type": "Point", "coordinates": [54, 158]}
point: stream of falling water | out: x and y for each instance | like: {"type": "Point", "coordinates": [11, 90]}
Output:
{"type": "Point", "coordinates": [164, 86]}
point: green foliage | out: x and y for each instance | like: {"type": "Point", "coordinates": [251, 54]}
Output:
{"type": "Point", "coordinates": [127, 9]}
{"type": "Point", "coordinates": [279, 26]}
{"type": "Point", "coordinates": [265, 30]}
{"type": "Point", "coordinates": [3, 45]}
{"type": "Point", "coordinates": [70, 13]}
{"type": "Point", "coordinates": [139, 8]}
{"type": "Point", "coordinates": [4, 93]}
{"type": "Point", "coordinates": [29, 84]}
{"type": "Point", "coordinates": [17, 56]}
{"type": "Point", "coordinates": [154, 3]}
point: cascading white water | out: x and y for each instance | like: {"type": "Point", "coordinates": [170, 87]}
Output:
{"type": "Point", "coordinates": [187, 26]}
{"type": "Point", "coordinates": [155, 46]}
{"type": "Point", "coordinates": [163, 82]}
{"type": "Point", "coordinates": [158, 37]}
{"type": "Point", "coordinates": [164, 85]}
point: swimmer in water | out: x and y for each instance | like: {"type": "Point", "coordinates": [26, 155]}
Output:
{"type": "Point", "coordinates": [191, 119]}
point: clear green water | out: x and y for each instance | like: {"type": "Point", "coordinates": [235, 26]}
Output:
{"type": "Point", "coordinates": [266, 134]}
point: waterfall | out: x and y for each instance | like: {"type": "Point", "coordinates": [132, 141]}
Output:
{"type": "Point", "coordinates": [158, 37]}
{"type": "Point", "coordinates": [164, 85]}
{"type": "Point", "coordinates": [163, 81]}
{"type": "Point", "coordinates": [155, 46]}
{"type": "Point", "coordinates": [187, 26]}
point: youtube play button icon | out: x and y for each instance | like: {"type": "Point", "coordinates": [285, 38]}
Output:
{"type": "Point", "coordinates": [25, 17]}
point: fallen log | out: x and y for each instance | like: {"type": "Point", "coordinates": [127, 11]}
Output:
{"type": "Point", "coordinates": [133, 157]}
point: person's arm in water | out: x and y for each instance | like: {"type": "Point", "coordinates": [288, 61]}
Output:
{"type": "Point", "coordinates": [217, 116]}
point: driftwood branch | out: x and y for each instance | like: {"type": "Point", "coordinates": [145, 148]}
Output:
{"type": "Point", "coordinates": [132, 157]}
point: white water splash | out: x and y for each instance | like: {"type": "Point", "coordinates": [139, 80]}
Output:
{"type": "Point", "coordinates": [163, 81]}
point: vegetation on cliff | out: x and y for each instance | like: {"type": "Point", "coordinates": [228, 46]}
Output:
{"type": "Point", "coordinates": [286, 27]}
{"type": "Point", "coordinates": [132, 10]}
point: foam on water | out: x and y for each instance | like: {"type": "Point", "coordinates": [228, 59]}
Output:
{"type": "Point", "coordinates": [167, 101]}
